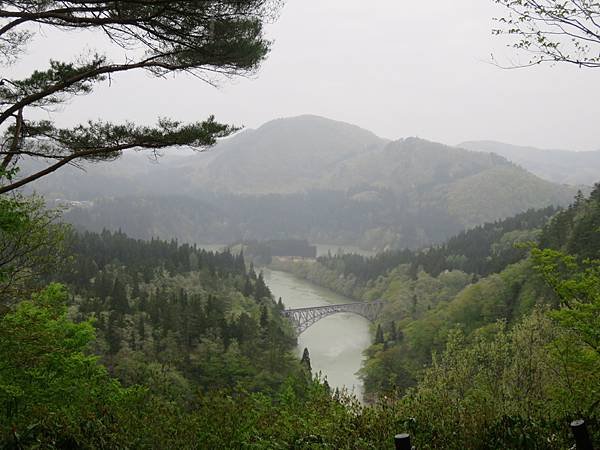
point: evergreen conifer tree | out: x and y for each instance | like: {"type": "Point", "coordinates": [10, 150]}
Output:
{"type": "Point", "coordinates": [305, 361]}
{"type": "Point", "coordinates": [112, 333]}
{"type": "Point", "coordinates": [142, 327]}
{"type": "Point", "coordinates": [135, 291]}
{"type": "Point", "coordinates": [248, 290]}
{"type": "Point", "coordinates": [379, 335]}
{"type": "Point", "coordinates": [264, 317]}
{"type": "Point", "coordinates": [393, 331]}
{"type": "Point", "coordinates": [260, 288]}
{"type": "Point", "coordinates": [413, 308]}
{"type": "Point", "coordinates": [119, 297]}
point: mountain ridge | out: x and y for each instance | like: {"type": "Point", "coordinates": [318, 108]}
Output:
{"type": "Point", "coordinates": [559, 166]}
{"type": "Point", "coordinates": [313, 178]}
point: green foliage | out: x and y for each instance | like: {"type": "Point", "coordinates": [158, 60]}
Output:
{"type": "Point", "coordinates": [42, 80]}
{"type": "Point", "coordinates": [84, 141]}
{"type": "Point", "coordinates": [499, 388]}
{"type": "Point", "coordinates": [305, 361]}
{"type": "Point", "coordinates": [429, 302]}
{"type": "Point", "coordinates": [379, 335]}
{"type": "Point", "coordinates": [177, 318]}
{"type": "Point", "coordinates": [577, 285]}
{"type": "Point", "coordinates": [511, 375]}
{"type": "Point", "coordinates": [473, 308]}
{"type": "Point", "coordinates": [54, 395]}
{"type": "Point", "coordinates": [49, 387]}
{"type": "Point", "coordinates": [576, 230]}
{"type": "Point", "coordinates": [477, 363]}
{"type": "Point", "coordinates": [485, 249]}
{"type": "Point", "coordinates": [501, 391]}
{"type": "Point", "coordinates": [31, 242]}
{"type": "Point", "coordinates": [513, 389]}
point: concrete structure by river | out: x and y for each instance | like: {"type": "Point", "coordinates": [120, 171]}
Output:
{"type": "Point", "coordinates": [336, 342]}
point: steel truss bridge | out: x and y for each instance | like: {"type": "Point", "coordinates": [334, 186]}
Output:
{"type": "Point", "coordinates": [302, 318]}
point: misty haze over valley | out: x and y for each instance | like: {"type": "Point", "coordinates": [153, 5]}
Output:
{"type": "Point", "coordinates": [297, 224]}
{"type": "Point", "coordinates": [326, 181]}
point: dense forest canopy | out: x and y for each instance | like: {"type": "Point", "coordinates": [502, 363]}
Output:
{"type": "Point", "coordinates": [469, 283]}
{"type": "Point", "coordinates": [481, 250]}
{"type": "Point", "coordinates": [198, 336]}
{"type": "Point", "coordinates": [204, 316]}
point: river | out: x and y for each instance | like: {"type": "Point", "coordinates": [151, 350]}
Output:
{"type": "Point", "coordinates": [336, 342]}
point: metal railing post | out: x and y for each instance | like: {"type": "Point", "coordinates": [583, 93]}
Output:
{"type": "Point", "coordinates": [402, 442]}
{"type": "Point", "coordinates": [582, 438]}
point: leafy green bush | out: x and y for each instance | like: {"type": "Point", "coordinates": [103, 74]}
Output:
{"type": "Point", "coordinates": [50, 390]}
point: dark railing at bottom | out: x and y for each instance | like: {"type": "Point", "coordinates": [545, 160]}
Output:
{"type": "Point", "coordinates": [582, 438]}
{"type": "Point", "coordinates": [402, 442]}
{"type": "Point", "coordinates": [578, 427]}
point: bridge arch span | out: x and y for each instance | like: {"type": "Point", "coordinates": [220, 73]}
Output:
{"type": "Point", "coordinates": [302, 318]}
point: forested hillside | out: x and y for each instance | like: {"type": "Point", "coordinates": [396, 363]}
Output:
{"type": "Point", "coordinates": [480, 251]}
{"type": "Point", "coordinates": [469, 283]}
{"type": "Point", "coordinates": [195, 355]}
{"type": "Point", "coordinates": [309, 178]}
{"type": "Point", "coordinates": [175, 317]}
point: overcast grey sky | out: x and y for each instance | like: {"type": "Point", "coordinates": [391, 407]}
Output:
{"type": "Point", "coordinates": [398, 68]}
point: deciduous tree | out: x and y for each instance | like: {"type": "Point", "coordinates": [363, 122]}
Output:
{"type": "Point", "coordinates": [553, 31]}
{"type": "Point", "coordinates": [31, 243]}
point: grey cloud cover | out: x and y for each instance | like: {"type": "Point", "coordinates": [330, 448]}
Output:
{"type": "Point", "coordinates": [398, 68]}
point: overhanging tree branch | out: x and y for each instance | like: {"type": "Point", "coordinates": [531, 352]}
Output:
{"type": "Point", "coordinates": [554, 31]}
{"type": "Point", "coordinates": [201, 37]}
{"type": "Point", "coordinates": [99, 141]}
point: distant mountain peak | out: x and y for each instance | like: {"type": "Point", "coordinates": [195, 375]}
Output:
{"type": "Point", "coordinates": [312, 177]}
{"type": "Point", "coordinates": [559, 166]}
{"type": "Point", "coordinates": [312, 120]}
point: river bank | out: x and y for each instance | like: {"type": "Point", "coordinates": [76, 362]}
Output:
{"type": "Point", "coordinates": [335, 343]}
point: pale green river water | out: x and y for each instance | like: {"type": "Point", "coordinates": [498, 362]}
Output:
{"type": "Point", "coordinates": [336, 342]}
